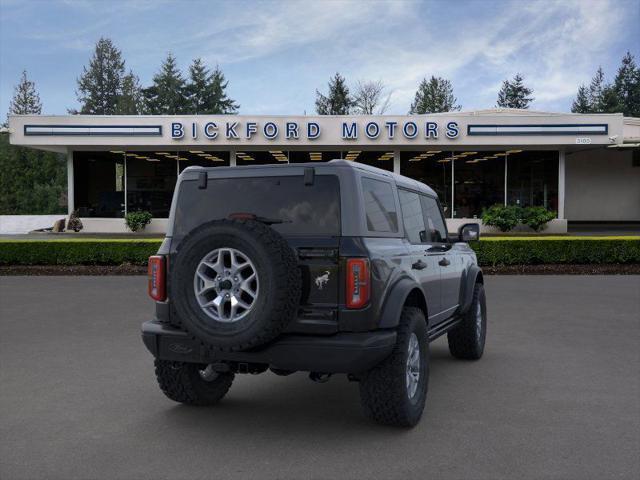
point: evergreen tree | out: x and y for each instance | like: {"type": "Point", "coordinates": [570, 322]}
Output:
{"type": "Point", "coordinates": [596, 91]}
{"type": "Point", "coordinates": [167, 95]}
{"type": "Point", "coordinates": [100, 85]}
{"type": "Point", "coordinates": [206, 92]}
{"type": "Point", "coordinates": [25, 99]}
{"type": "Point", "coordinates": [433, 96]}
{"type": "Point", "coordinates": [514, 94]}
{"type": "Point", "coordinates": [196, 89]}
{"type": "Point", "coordinates": [130, 101]}
{"type": "Point", "coordinates": [338, 101]}
{"type": "Point", "coordinates": [627, 86]}
{"type": "Point", "coordinates": [218, 100]}
{"type": "Point", "coordinates": [581, 104]}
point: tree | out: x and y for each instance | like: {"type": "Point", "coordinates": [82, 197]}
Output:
{"type": "Point", "coordinates": [370, 98]}
{"type": "Point", "coordinates": [25, 99]}
{"type": "Point", "coordinates": [31, 181]}
{"type": "Point", "coordinates": [338, 101]}
{"type": "Point", "coordinates": [167, 95]}
{"type": "Point", "coordinates": [100, 85]}
{"type": "Point", "coordinates": [596, 91]}
{"type": "Point", "coordinates": [434, 95]}
{"type": "Point", "coordinates": [514, 94]}
{"type": "Point", "coordinates": [581, 104]}
{"type": "Point", "coordinates": [130, 101]}
{"type": "Point", "coordinates": [627, 86]}
{"type": "Point", "coordinates": [206, 92]}
{"type": "Point", "coordinates": [218, 100]}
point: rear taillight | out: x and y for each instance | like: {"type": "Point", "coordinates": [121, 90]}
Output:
{"type": "Point", "coordinates": [358, 282]}
{"type": "Point", "coordinates": [157, 277]}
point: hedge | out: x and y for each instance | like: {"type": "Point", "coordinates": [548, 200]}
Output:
{"type": "Point", "coordinates": [77, 252]}
{"type": "Point", "coordinates": [496, 251]}
{"type": "Point", "coordinates": [492, 251]}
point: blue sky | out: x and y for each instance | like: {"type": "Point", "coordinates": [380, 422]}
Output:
{"type": "Point", "coordinates": [276, 53]}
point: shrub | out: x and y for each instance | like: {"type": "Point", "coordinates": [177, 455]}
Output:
{"type": "Point", "coordinates": [138, 220]}
{"type": "Point", "coordinates": [536, 217]}
{"type": "Point", "coordinates": [75, 223]}
{"type": "Point", "coordinates": [503, 217]}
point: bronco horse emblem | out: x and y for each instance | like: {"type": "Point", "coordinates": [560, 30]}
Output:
{"type": "Point", "coordinates": [322, 280]}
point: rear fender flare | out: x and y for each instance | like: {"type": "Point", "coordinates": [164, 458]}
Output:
{"type": "Point", "coordinates": [396, 301]}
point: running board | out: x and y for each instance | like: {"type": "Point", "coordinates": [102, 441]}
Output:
{"type": "Point", "coordinates": [442, 328]}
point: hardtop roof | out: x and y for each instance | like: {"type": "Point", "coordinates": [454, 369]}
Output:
{"type": "Point", "coordinates": [400, 180]}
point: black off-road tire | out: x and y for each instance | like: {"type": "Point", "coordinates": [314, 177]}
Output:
{"type": "Point", "coordinates": [466, 340]}
{"type": "Point", "coordinates": [182, 383]}
{"type": "Point", "coordinates": [383, 390]}
{"type": "Point", "coordinates": [280, 284]}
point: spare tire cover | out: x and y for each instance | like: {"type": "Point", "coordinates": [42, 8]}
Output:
{"type": "Point", "coordinates": [234, 284]}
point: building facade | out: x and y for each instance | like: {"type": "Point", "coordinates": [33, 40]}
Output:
{"type": "Point", "coordinates": [583, 167]}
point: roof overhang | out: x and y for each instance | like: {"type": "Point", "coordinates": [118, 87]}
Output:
{"type": "Point", "coordinates": [229, 132]}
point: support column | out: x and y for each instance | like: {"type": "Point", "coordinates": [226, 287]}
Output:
{"type": "Point", "coordinates": [561, 177]}
{"type": "Point", "coordinates": [506, 165]}
{"type": "Point", "coordinates": [232, 158]}
{"type": "Point", "coordinates": [71, 196]}
{"type": "Point", "coordinates": [453, 183]}
{"type": "Point", "coordinates": [396, 161]}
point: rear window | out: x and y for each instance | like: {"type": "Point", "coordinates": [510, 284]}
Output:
{"type": "Point", "coordinates": [380, 206]}
{"type": "Point", "coordinates": [303, 209]}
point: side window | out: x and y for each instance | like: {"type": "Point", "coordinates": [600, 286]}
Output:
{"type": "Point", "coordinates": [436, 229]}
{"type": "Point", "coordinates": [412, 216]}
{"type": "Point", "coordinates": [380, 206]}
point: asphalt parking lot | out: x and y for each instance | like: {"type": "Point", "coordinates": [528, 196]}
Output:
{"type": "Point", "coordinates": [557, 395]}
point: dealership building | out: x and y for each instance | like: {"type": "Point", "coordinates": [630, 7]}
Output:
{"type": "Point", "coordinates": [586, 168]}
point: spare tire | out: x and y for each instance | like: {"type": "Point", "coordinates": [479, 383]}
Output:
{"type": "Point", "coordinates": [235, 284]}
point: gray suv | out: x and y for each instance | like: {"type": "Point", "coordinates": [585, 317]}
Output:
{"type": "Point", "coordinates": [326, 268]}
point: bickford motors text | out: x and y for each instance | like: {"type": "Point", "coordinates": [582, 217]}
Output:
{"type": "Point", "coordinates": [312, 130]}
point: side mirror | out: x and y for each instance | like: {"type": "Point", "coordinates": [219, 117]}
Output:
{"type": "Point", "coordinates": [469, 232]}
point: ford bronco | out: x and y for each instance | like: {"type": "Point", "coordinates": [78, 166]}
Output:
{"type": "Point", "coordinates": [326, 268]}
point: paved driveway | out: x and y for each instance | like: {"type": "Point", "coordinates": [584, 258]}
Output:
{"type": "Point", "coordinates": [556, 395]}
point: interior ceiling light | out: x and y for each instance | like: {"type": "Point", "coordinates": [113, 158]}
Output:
{"type": "Point", "coordinates": [470, 153]}
{"type": "Point", "coordinates": [196, 151]}
{"type": "Point", "coordinates": [444, 160]}
{"type": "Point", "coordinates": [131, 154]}
{"type": "Point", "coordinates": [116, 151]}
{"type": "Point", "coordinates": [514, 151]}
{"type": "Point", "coordinates": [141, 157]}
{"type": "Point", "coordinates": [153, 159]}
{"type": "Point", "coordinates": [162, 153]}
{"type": "Point", "coordinates": [434, 151]}
{"type": "Point", "coordinates": [500, 154]}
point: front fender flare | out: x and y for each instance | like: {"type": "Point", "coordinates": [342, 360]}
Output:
{"type": "Point", "coordinates": [471, 277]}
{"type": "Point", "coordinates": [395, 301]}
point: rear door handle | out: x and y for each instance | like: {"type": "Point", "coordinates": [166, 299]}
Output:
{"type": "Point", "coordinates": [419, 265]}
{"type": "Point", "coordinates": [444, 262]}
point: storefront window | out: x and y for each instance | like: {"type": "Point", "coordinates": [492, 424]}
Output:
{"type": "Point", "coordinates": [532, 179]}
{"type": "Point", "coordinates": [478, 182]}
{"type": "Point", "coordinates": [380, 159]}
{"type": "Point", "coordinates": [151, 180]}
{"type": "Point", "coordinates": [313, 156]}
{"type": "Point", "coordinates": [433, 168]}
{"type": "Point", "coordinates": [99, 184]}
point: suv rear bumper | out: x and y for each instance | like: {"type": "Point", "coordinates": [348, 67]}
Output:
{"type": "Point", "coordinates": [339, 353]}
